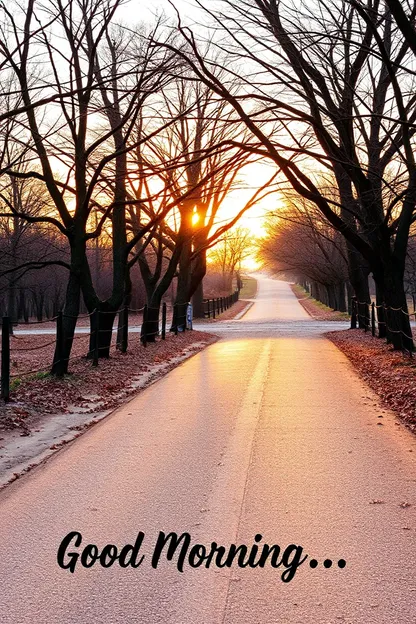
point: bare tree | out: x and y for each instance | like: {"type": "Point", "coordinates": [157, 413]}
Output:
{"type": "Point", "coordinates": [301, 244]}
{"type": "Point", "coordinates": [194, 175]}
{"type": "Point", "coordinates": [230, 252]}
{"type": "Point", "coordinates": [106, 82]}
{"type": "Point", "coordinates": [331, 92]}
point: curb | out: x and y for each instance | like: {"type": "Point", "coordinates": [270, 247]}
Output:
{"type": "Point", "coordinates": [244, 311]}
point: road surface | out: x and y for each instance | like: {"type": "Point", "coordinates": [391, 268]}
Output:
{"type": "Point", "coordinates": [267, 432]}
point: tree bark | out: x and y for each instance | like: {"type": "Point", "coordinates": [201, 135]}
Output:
{"type": "Point", "coordinates": [340, 297]}
{"type": "Point", "coordinates": [151, 327]}
{"type": "Point", "coordinates": [71, 311]}
{"type": "Point", "coordinates": [101, 333]}
{"type": "Point", "coordinates": [358, 272]}
{"type": "Point", "coordinates": [198, 301]}
{"type": "Point", "coordinates": [183, 287]}
{"type": "Point", "coordinates": [398, 328]}
{"type": "Point", "coordinates": [380, 312]}
{"type": "Point", "coordinates": [121, 319]}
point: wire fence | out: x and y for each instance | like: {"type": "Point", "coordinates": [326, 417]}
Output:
{"type": "Point", "coordinates": [99, 336]}
{"type": "Point", "coordinates": [384, 321]}
{"type": "Point", "coordinates": [214, 307]}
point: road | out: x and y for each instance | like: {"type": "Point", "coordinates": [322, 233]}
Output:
{"type": "Point", "coordinates": [265, 432]}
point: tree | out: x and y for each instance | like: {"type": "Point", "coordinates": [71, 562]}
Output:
{"type": "Point", "coordinates": [89, 78]}
{"type": "Point", "coordinates": [230, 252]}
{"type": "Point", "coordinates": [134, 72]}
{"type": "Point", "coordinates": [298, 242]}
{"type": "Point", "coordinates": [331, 92]}
{"type": "Point", "coordinates": [193, 175]}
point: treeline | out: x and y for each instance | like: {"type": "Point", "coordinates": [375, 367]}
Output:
{"type": "Point", "coordinates": [27, 294]}
{"type": "Point", "coordinates": [109, 151]}
{"type": "Point", "coordinates": [327, 92]}
{"type": "Point", "coordinates": [300, 245]}
{"type": "Point", "coordinates": [305, 248]}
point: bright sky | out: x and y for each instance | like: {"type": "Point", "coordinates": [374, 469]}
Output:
{"type": "Point", "coordinates": [255, 174]}
{"type": "Point", "coordinates": [142, 10]}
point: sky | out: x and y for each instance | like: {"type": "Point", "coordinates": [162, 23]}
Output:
{"type": "Point", "coordinates": [254, 174]}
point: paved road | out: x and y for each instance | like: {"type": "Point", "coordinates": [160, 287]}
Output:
{"type": "Point", "coordinates": [273, 435]}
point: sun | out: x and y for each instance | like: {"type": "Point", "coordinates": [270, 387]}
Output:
{"type": "Point", "coordinates": [250, 264]}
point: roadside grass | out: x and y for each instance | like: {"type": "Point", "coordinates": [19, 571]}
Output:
{"type": "Point", "coordinates": [314, 307]}
{"type": "Point", "coordinates": [17, 381]}
{"type": "Point", "coordinates": [249, 288]}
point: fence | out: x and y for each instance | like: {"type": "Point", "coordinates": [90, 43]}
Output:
{"type": "Point", "coordinates": [214, 307]}
{"type": "Point", "coordinates": [148, 330]}
{"type": "Point", "coordinates": [376, 317]}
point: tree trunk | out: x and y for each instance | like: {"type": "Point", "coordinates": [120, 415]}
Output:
{"type": "Point", "coordinates": [332, 301]}
{"type": "Point", "coordinates": [183, 288]}
{"type": "Point", "coordinates": [196, 293]}
{"type": "Point", "coordinates": [23, 310]}
{"type": "Point", "coordinates": [155, 292]}
{"type": "Point", "coordinates": [121, 319]}
{"type": "Point", "coordinates": [340, 296]}
{"type": "Point", "coordinates": [198, 301]}
{"type": "Point", "coordinates": [380, 312]}
{"type": "Point", "coordinates": [358, 272]}
{"type": "Point", "coordinates": [322, 294]}
{"type": "Point", "coordinates": [39, 307]}
{"type": "Point", "coordinates": [11, 303]}
{"type": "Point", "coordinates": [350, 294]}
{"type": "Point", "coordinates": [69, 321]}
{"type": "Point", "coordinates": [399, 331]}
{"type": "Point", "coordinates": [101, 330]}
{"type": "Point", "coordinates": [151, 327]}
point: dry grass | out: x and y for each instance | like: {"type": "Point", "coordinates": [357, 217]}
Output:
{"type": "Point", "coordinates": [316, 309]}
{"type": "Point", "coordinates": [249, 289]}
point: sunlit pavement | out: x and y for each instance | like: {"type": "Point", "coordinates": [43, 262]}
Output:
{"type": "Point", "coordinates": [269, 431]}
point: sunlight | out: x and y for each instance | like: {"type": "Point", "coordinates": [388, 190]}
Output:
{"type": "Point", "coordinates": [250, 264]}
